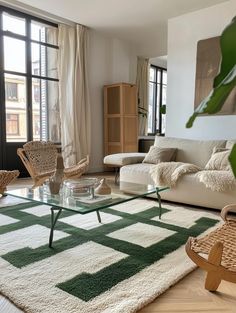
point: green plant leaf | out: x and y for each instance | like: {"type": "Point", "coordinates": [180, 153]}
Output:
{"type": "Point", "coordinates": [232, 159]}
{"type": "Point", "coordinates": [163, 109]}
{"type": "Point", "coordinates": [216, 99]}
{"type": "Point", "coordinates": [228, 52]}
{"type": "Point", "coordinates": [225, 81]}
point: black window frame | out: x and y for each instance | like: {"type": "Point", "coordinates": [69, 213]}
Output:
{"type": "Point", "coordinates": [156, 110]}
{"type": "Point", "coordinates": [28, 75]}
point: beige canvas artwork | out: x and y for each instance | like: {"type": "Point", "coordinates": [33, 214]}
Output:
{"type": "Point", "coordinates": [208, 61]}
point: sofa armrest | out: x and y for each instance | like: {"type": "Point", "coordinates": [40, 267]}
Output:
{"type": "Point", "coordinates": [121, 159]}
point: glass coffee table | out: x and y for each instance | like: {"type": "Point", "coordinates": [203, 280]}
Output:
{"type": "Point", "coordinates": [121, 193]}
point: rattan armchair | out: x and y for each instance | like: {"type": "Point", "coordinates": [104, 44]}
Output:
{"type": "Point", "coordinates": [216, 252]}
{"type": "Point", "coordinates": [77, 170]}
{"type": "Point", "coordinates": [40, 159]}
{"type": "Point", "coordinates": [6, 177]}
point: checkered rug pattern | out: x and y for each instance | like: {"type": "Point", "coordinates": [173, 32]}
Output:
{"type": "Point", "coordinates": [117, 266]}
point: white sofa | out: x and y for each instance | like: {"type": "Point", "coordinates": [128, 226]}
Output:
{"type": "Point", "coordinates": [188, 189]}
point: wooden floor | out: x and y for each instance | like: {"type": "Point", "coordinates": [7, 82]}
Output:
{"type": "Point", "coordinates": [188, 295]}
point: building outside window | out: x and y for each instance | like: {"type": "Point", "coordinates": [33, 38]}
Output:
{"type": "Point", "coordinates": [157, 100]}
{"type": "Point", "coordinates": [11, 91]}
{"type": "Point", "coordinates": [36, 93]}
{"type": "Point", "coordinates": [12, 124]}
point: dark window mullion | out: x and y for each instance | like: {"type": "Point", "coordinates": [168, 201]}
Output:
{"type": "Point", "coordinates": [29, 82]}
{"type": "Point", "coordinates": [33, 76]}
{"type": "Point", "coordinates": [25, 38]}
{"type": "Point", "coordinates": [46, 78]}
{"type": "Point", "coordinates": [24, 15]}
{"type": "Point", "coordinates": [155, 104]}
{"type": "Point", "coordinates": [153, 108]}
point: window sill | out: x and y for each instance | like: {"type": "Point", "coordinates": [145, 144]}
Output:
{"type": "Point", "coordinates": [148, 137]}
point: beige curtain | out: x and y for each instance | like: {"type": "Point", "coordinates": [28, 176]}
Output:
{"type": "Point", "coordinates": [73, 93]}
{"type": "Point", "coordinates": [142, 86]}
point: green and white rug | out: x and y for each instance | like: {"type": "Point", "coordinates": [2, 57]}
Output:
{"type": "Point", "coordinates": [114, 267]}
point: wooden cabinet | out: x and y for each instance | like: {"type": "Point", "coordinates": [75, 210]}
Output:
{"type": "Point", "coordinates": [120, 118]}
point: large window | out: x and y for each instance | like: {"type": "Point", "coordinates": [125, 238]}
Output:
{"type": "Point", "coordinates": [157, 100]}
{"type": "Point", "coordinates": [28, 77]}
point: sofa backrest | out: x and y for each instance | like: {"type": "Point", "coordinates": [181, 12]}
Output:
{"type": "Point", "coordinates": [196, 152]}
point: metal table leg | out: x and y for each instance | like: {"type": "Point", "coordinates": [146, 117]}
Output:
{"type": "Point", "coordinates": [99, 216]}
{"type": "Point", "coordinates": [159, 201]}
{"type": "Point", "coordinates": [54, 219]}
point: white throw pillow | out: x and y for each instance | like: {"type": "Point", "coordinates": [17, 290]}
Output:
{"type": "Point", "coordinates": [219, 160]}
{"type": "Point", "coordinates": [157, 155]}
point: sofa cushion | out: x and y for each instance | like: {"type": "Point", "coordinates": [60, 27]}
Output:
{"type": "Point", "coordinates": [121, 159]}
{"type": "Point", "coordinates": [137, 173]}
{"type": "Point", "coordinates": [197, 152]}
{"type": "Point", "coordinates": [219, 161]}
{"type": "Point", "coordinates": [157, 155]}
{"type": "Point", "coordinates": [188, 189]}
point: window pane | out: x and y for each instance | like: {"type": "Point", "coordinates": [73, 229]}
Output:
{"type": "Point", "coordinates": [152, 74]}
{"type": "Point", "coordinates": [15, 95]}
{"type": "Point", "coordinates": [150, 108]}
{"type": "Point", "coordinates": [44, 61]}
{"type": "Point", "coordinates": [163, 125]}
{"type": "Point", "coordinates": [159, 76]}
{"type": "Point", "coordinates": [158, 107]}
{"type": "Point", "coordinates": [164, 77]}
{"type": "Point", "coordinates": [12, 124]}
{"type": "Point", "coordinates": [44, 33]}
{"type": "Point", "coordinates": [14, 54]}
{"type": "Point", "coordinates": [13, 24]}
{"type": "Point", "coordinates": [164, 94]}
{"type": "Point", "coordinates": [46, 119]}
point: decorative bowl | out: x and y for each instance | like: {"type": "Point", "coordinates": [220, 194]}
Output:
{"type": "Point", "coordinates": [80, 187]}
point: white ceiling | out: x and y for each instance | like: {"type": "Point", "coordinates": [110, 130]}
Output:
{"type": "Point", "coordinates": [141, 22]}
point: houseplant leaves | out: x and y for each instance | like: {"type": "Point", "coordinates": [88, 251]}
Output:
{"type": "Point", "coordinates": [223, 83]}
{"type": "Point", "coordinates": [216, 99]}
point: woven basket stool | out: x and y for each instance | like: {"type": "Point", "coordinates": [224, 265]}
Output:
{"type": "Point", "coordinates": [6, 177]}
{"type": "Point", "coordinates": [216, 252]}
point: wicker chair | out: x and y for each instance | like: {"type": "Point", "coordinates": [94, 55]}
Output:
{"type": "Point", "coordinates": [219, 247]}
{"type": "Point", "coordinates": [6, 177]}
{"type": "Point", "coordinates": [40, 159]}
{"type": "Point", "coordinates": [77, 170]}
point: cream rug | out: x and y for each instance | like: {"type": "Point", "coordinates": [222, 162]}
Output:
{"type": "Point", "coordinates": [118, 266]}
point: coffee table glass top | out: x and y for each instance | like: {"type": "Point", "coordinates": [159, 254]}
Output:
{"type": "Point", "coordinates": [120, 193]}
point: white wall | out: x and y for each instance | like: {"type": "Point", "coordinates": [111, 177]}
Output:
{"type": "Point", "coordinates": [110, 61]}
{"type": "Point", "coordinates": [183, 34]}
